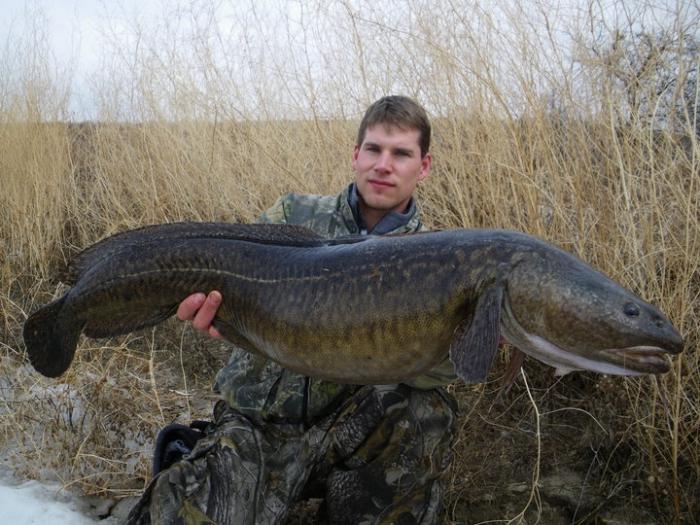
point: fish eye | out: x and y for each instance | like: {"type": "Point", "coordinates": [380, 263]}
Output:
{"type": "Point", "coordinates": [631, 309]}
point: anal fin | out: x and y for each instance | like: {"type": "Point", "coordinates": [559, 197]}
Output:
{"type": "Point", "coordinates": [128, 321]}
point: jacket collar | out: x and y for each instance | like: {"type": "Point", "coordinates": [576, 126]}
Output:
{"type": "Point", "coordinates": [392, 222]}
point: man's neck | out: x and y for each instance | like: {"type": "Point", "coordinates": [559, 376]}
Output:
{"type": "Point", "coordinates": [370, 216]}
{"type": "Point", "coordinates": [375, 220]}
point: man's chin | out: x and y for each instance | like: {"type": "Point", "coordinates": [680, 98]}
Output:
{"type": "Point", "coordinates": [383, 205]}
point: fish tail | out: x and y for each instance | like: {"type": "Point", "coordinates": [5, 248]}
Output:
{"type": "Point", "coordinates": [51, 339]}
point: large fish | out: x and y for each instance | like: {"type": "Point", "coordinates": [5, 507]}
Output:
{"type": "Point", "coordinates": [360, 309]}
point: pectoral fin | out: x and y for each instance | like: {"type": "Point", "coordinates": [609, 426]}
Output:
{"type": "Point", "coordinates": [473, 350]}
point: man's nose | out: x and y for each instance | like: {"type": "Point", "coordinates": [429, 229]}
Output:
{"type": "Point", "coordinates": [383, 163]}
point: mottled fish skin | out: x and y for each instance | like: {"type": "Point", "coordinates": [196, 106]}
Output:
{"type": "Point", "coordinates": [359, 310]}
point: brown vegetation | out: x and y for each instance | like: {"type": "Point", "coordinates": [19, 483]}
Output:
{"type": "Point", "coordinates": [595, 149]}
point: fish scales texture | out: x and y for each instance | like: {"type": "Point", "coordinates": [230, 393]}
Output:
{"type": "Point", "coordinates": [371, 312]}
{"type": "Point", "coordinates": [391, 304]}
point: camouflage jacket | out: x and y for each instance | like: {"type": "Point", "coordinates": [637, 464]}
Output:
{"type": "Point", "coordinates": [263, 389]}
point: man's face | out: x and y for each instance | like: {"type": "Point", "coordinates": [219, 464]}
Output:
{"type": "Point", "coordinates": [388, 166]}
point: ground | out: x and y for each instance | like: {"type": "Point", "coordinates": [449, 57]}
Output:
{"type": "Point", "coordinates": [559, 451]}
{"type": "Point", "coordinates": [570, 461]}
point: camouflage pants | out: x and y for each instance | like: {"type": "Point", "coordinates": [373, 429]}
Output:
{"type": "Point", "coordinates": [377, 459]}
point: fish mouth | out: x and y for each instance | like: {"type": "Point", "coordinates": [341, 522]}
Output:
{"type": "Point", "coordinates": [645, 359]}
{"type": "Point", "coordinates": [627, 361]}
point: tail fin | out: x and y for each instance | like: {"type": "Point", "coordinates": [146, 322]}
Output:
{"type": "Point", "coordinates": [50, 342]}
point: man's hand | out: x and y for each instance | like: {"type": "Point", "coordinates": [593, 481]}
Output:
{"type": "Point", "coordinates": [200, 309]}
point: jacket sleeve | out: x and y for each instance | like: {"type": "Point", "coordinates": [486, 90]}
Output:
{"type": "Point", "coordinates": [276, 213]}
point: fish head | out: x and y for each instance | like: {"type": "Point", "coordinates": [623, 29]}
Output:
{"type": "Point", "coordinates": [570, 316]}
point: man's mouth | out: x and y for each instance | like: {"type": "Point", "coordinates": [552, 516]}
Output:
{"type": "Point", "coordinates": [380, 183]}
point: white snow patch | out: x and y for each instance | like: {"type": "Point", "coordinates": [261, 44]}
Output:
{"type": "Point", "coordinates": [33, 503]}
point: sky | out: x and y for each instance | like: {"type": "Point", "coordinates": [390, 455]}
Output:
{"type": "Point", "coordinates": [83, 35]}
{"type": "Point", "coordinates": [75, 32]}
{"type": "Point", "coordinates": [75, 26]}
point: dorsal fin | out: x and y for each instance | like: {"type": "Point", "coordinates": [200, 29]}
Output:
{"type": "Point", "coordinates": [285, 234]}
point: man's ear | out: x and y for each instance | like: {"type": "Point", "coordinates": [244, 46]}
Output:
{"type": "Point", "coordinates": [426, 163]}
{"type": "Point", "coordinates": [355, 153]}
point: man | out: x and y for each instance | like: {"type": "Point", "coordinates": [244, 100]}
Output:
{"type": "Point", "coordinates": [375, 454]}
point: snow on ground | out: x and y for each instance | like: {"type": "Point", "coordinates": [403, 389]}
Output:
{"type": "Point", "coordinates": [33, 503]}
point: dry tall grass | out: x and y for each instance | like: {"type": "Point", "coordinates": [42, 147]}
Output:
{"type": "Point", "coordinates": [568, 125]}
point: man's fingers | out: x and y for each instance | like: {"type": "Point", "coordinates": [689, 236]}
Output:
{"type": "Point", "coordinates": [189, 306]}
{"type": "Point", "coordinates": [205, 315]}
{"type": "Point", "coordinates": [200, 309]}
